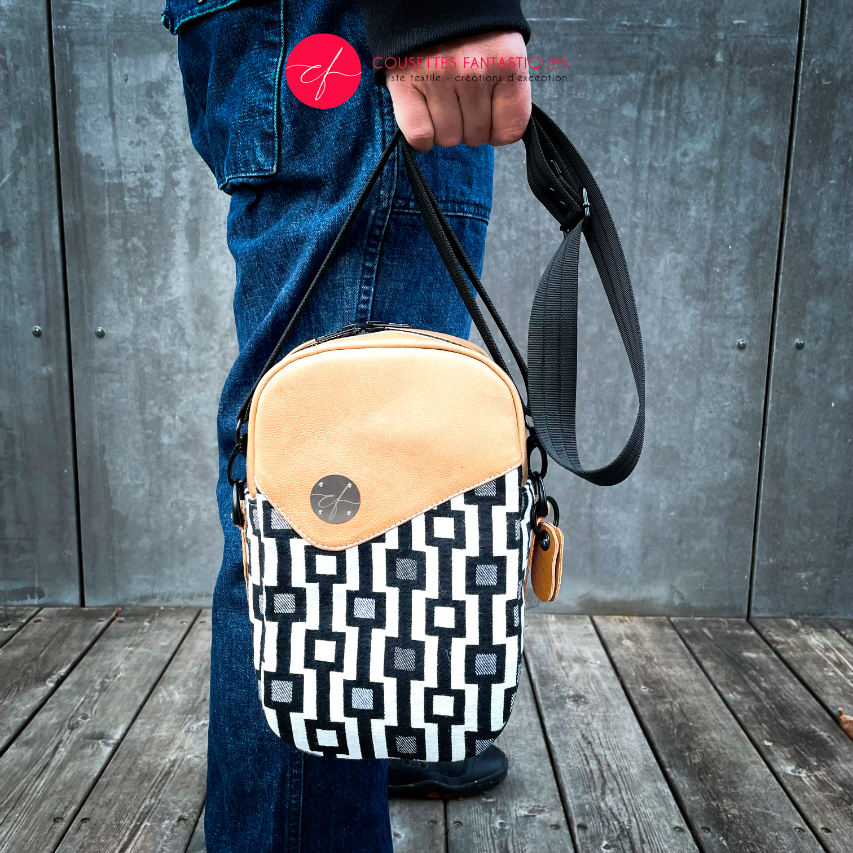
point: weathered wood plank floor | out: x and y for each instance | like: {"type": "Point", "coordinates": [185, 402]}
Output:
{"type": "Point", "coordinates": [628, 734]}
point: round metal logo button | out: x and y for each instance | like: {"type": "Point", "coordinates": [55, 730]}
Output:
{"type": "Point", "coordinates": [335, 498]}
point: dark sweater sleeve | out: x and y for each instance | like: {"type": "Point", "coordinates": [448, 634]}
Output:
{"type": "Point", "coordinates": [403, 27]}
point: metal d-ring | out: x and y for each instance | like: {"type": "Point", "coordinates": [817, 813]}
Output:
{"type": "Point", "coordinates": [237, 488]}
{"type": "Point", "coordinates": [542, 534]}
{"type": "Point", "coordinates": [237, 493]}
{"type": "Point", "coordinates": [533, 443]}
{"type": "Point", "coordinates": [555, 507]}
{"type": "Point", "coordinates": [540, 496]}
{"type": "Point", "coordinates": [231, 460]}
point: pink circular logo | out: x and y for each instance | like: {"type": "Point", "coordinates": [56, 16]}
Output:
{"type": "Point", "coordinates": [323, 70]}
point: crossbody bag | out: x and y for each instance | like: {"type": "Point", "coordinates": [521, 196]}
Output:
{"type": "Point", "coordinates": [391, 510]}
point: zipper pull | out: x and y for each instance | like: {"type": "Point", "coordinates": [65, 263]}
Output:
{"type": "Point", "coordinates": [363, 327]}
{"type": "Point", "coordinates": [396, 326]}
{"type": "Point", "coordinates": [349, 329]}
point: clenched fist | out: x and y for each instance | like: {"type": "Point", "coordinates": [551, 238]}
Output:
{"type": "Point", "coordinates": [469, 100]}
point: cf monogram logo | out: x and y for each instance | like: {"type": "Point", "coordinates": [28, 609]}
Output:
{"type": "Point", "coordinates": [335, 498]}
{"type": "Point", "coordinates": [323, 70]}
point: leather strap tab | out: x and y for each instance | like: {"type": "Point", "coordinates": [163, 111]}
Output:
{"type": "Point", "coordinates": [546, 570]}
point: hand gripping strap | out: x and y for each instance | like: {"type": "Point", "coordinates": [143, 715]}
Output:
{"type": "Point", "coordinates": [562, 182]}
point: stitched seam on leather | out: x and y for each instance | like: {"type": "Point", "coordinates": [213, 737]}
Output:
{"type": "Point", "coordinates": [448, 347]}
{"type": "Point", "coordinates": [307, 538]}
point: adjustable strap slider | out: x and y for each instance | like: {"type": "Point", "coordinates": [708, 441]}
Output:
{"type": "Point", "coordinates": [587, 212]}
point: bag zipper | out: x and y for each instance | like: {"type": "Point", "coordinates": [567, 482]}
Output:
{"type": "Point", "coordinates": [371, 326]}
{"type": "Point", "coordinates": [361, 328]}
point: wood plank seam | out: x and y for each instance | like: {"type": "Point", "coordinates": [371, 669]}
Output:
{"type": "Point", "coordinates": [524, 814]}
{"type": "Point", "coordinates": [776, 775]}
{"type": "Point", "coordinates": [198, 828]}
{"type": "Point", "coordinates": [648, 736]}
{"type": "Point", "coordinates": [150, 793]}
{"type": "Point", "coordinates": [730, 797]}
{"type": "Point", "coordinates": [601, 753]}
{"type": "Point", "coordinates": [831, 712]}
{"type": "Point", "coordinates": [69, 822]}
{"type": "Point", "coordinates": [549, 748]}
{"type": "Point", "coordinates": [66, 674]}
{"type": "Point", "coordinates": [196, 842]}
{"type": "Point", "coordinates": [199, 819]}
{"type": "Point", "coordinates": [4, 638]}
{"type": "Point", "coordinates": [446, 827]}
{"type": "Point", "coordinates": [417, 825]}
{"type": "Point", "coordinates": [844, 627]}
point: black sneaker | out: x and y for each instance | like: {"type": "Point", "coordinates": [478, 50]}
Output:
{"type": "Point", "coordinates": [410, 778]}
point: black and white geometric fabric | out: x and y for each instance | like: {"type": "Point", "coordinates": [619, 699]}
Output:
{"type": "Point", "coordinates": [408, 645]}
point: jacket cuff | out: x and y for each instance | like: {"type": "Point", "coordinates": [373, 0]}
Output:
{"type": "Point", "coordinates": [403, 27]}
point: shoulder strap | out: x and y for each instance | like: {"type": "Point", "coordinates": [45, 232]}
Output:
{"type": "Point", "coordinates": [561, 181]}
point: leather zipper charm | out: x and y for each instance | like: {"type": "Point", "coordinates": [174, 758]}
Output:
{"type": "Point", "coordinates": [546, 569]}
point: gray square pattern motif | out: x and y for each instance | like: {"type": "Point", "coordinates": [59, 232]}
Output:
{"type": "Point", "coordinates": [404, 659]}
{"type": "Point", "coordinates": [486, 664]}
{"type": "Point", "coordinates": [282, 691]}
{"type": "Point", "coordinates": [406, 745]}
{"type": "Point", "coordinates": [487, 490]}
{"type": "Point", "coordinates": [364, 608]}
{"type": "Point", "coordinates": [407, 569]}
{"type": "Point", "coordinates": [284, 602]}
{"type": "Point", "coordinates": [362, 698]}
{"type": "Point", "coordinates": [487, 574]}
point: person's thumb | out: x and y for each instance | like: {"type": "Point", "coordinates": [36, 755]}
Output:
{"type": "Point", "coordinates": [412, 115]}
{"type": "Point", "coordinates": [510, 111]}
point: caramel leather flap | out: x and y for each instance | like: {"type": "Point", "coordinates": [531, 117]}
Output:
{"type": "Point", "coordinates": [409, 419]}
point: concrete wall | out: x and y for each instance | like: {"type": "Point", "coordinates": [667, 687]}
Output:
{"type": "Point", "coordinates": [719, 133]}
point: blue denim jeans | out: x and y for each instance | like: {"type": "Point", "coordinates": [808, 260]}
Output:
{"type": "Point", "coordinates": [293, 172]}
